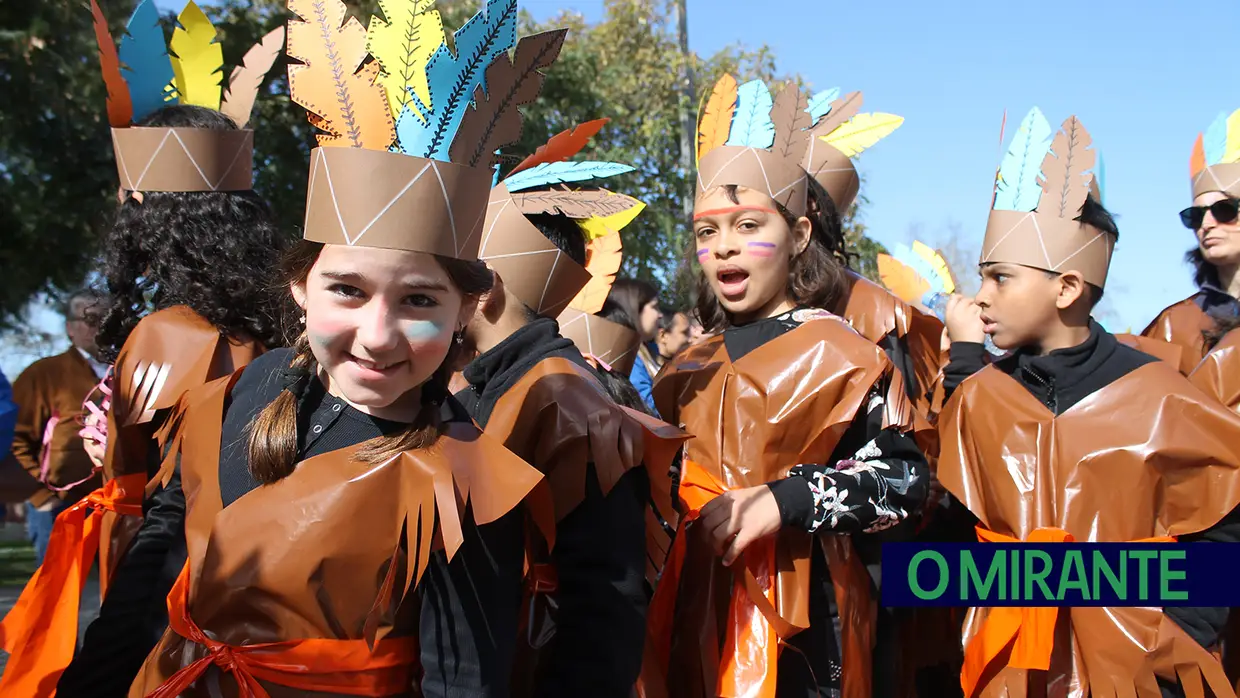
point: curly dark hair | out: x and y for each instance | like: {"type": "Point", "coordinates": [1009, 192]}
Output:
{"type": "Point", "coordinates": [215, 252]}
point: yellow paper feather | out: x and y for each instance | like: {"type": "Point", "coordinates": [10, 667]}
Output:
{"type": "Point", "coordinates": [1233, 138]}
{"type": "Point", "coordinates": [403, 45]}
{"type": "Point", "coordinates": [603, 258]}
{"type": "Point", "coordinates": [862, 131]}
{"type": "Point", "coordinates": [935, 260]}
{"type": "Point", "coordinates": [197, 59]}
{"type": "Point", "coordinates": [600, 226]}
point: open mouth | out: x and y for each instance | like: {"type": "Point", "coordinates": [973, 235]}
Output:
{"type": "Point", "coordinates": [732, 281]}
{"type": "Point", "coordinates": [374, 369]}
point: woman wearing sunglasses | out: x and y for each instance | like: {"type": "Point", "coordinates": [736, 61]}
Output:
{"type": "Point", "coordinates": [1214, 217]}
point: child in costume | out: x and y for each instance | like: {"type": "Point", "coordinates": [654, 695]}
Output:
{"type": "Point", "coordinates": [801, 434]}
{"type": "Point", "coordinates": [583, 530]}
{"type": "Point", "coordinates": [191, 236]}
{"type": "Point", "coordinates": [1215, 170]}
{"type": "Point", "coordinates": [1073, 411]}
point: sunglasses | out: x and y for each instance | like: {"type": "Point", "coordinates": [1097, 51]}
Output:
{"type": "Point", "coordinates": [1224, 211]}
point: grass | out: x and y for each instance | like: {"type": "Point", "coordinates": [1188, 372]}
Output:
{"type": "Point", "coordinates": [16, 563]}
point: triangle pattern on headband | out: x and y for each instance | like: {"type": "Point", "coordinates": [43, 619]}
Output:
{"type": "Point", "coordinates": [207, 160]}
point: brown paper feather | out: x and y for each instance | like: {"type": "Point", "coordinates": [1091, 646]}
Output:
{"type": "Point", "coordinates": [493, 120]}
{"type": "Point", "coordinates": [791, 121]}
{"type": "Point", "coordinates": [842, 110]}
{"type": "Point", "coordinates": [331, 81]}
{"type": "Point", "coordinates": [575, 204]}
{"type": "Point", "coordinates": [120, 107]}
{"type": "Point", "coordinates": [246, 79]}
{"type": "Point", "coordinates": [1065, 171]}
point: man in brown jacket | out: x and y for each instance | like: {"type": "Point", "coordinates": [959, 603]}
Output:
{"type": "Point", "coordinates": [49, 398]}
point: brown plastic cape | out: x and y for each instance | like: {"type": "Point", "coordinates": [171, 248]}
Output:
{"type": "Point", "coordinates": [1157, 348]}
{"type": "Point", "coordinates": [183, 159]}
{"type": "Point", "coordinates": [168, 353]}
{"type": "Point", "coordinates": [331, 551]}
{"type": "Point", "coordinates": [1018, 467]}
{"type": "Point", "coordinates": [1183, 324]}
{"type": "Point", "coordinates": [786, 402]}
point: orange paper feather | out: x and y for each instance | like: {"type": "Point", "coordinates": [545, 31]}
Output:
{"type": "Point", "coordinates": [120, 106]}
{"type": "Point", "coordinates": [900, 279]}
{"type": "Point", "coordinates": [717, 121]}
{"type": "Point", "coordinates": [331, 83]}
{"type": "Point", "coordinates": [562, 145]}
{"type": "Point", "coordinates": [1197, 162]}
{"type": "Point", "coordinates": [603, 257]}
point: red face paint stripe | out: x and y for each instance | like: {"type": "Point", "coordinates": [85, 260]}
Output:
{"type": "Point", "coordinates": [733, 209]}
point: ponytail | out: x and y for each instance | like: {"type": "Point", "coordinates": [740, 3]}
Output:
{"type": "Point", "coordinates": [273, 434]}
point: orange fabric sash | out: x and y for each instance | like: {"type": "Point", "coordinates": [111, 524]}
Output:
{"type": "Point", "coordinates": [42, 629]}
{"type": "Point", "coordinates": [1030, 631]}
{"type": "Point", "coordinates": [335, 666]}
{"type": "Point", "coordinates": [754, 628]}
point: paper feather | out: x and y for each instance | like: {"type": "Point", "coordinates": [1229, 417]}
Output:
{"type": "Point", "coordinates": [342, 97]}
{"type": "Point", "coordinates": [791, 117]}
{"type": "Point", "coordinates": [751, 124]}
{"type": "Point", "coordinates": [941, 279]}
{"type": "Point", "coordinates": [1197, 161]}
{"type": "Point", "coordinates": [562, 145]}
{"type": "Point", "coordinates": [246, 79]}
{"type": "Point", "coordinates": [197, 59]}
{"type": "Point", "coordinates": [453, 79]}
{"type": "Point", "coordinates": [604, 256]}
{"type": "Point", "coordinates": [1018, 188]}
{"type": "Point", "coordinates": [1233, 138]}
{"type": "Point", "coordinates": [862, 131]}
{"type": "Point", "coordinates": [901, 279]}
{"type": "Point", "coordinates": [147, 69]}
{"type": "Point", "coordinates": [904, 254]}
{"type": "Point", "coordinates": [820, 104]}
{"type": "Point", "coordinates": [1065, 171]}
{"type": "Point", "coordinates": [1215, 141]}
{"type": "Point", "coordinates": [716, 123]}
{"type": "Point", "coordinates": [494, 121]}
{"type": "Point", "coordinates": [599, 226]}
{"type": "Point", "coordinates": [403, 41]}
{"type": "Point", "coordinates": [120, 108]}
{"type": "Point", "coordinates": [1100, 178]}
{"type": "Point", "coordinates": [594, 203]}
{"type": "Point", "coordinates": [550, 173]}
{"type": "Point", "coordinates": [841, 111]}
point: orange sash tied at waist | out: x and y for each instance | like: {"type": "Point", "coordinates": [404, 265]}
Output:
{"type": "Point", "coordinates": [754, 627]}
{"type": "Point", "coordinates": [1029, 630]}
{"type": "Point", "coordinates": [41, 631]}
{"type": "Point", "coordinates": [350, 667]}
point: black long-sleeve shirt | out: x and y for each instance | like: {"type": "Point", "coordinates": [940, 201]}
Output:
{"type": "Point", "coordinates": [599, 554]}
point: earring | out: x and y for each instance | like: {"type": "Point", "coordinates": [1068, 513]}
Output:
{"type": "Point", "coordinates": [301, 320]}
{"type": "Point", "coordinates": [458, 337]}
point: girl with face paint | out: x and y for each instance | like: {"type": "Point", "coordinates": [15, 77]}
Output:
{"type": "Point", "coordinates": [801, 428]}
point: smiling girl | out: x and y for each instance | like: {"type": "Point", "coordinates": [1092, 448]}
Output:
{"type": "Point", "coordinates": [801, 446]}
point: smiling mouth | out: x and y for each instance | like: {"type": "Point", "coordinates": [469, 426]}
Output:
{"type": "Point", "coordinates": [374, 366]}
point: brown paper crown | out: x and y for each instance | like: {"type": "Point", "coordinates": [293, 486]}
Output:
{"type": "Point", "coordinates": [1044, 234]}
{"type": "Point", "coordinates": [407, 140]}
{"type": "Point", "coordinates": [601, 339]}
{"type": "Point", "coordinates": [180, 159]}
{"type": "Point", "coordinates": [747, 139]}
{"type": "Point", "coordinates": [1215, 162]}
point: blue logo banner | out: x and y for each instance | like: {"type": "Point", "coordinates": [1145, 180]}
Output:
{"type": "Point", "coordinates": [1061, 574]}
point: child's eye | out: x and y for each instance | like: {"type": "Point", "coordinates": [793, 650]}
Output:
{"type": "Point", "coordinates": [703, 232]}
{"type": "Point", "coordinates": [420, 300]}
{"type": "Point", "coordinates": [748, 226]}
{"type": "Point", "coordinates": [346, 290]}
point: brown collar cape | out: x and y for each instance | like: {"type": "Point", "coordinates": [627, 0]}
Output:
{"type": "Point", "coordinates": [331, 551]}
{"type": "Point", "coordinates": [785, 403]}
{"type": "Point", "coordinates": [1018, 468]}
{"type": "Point", "coordinates": [1218, 375]}
{"type": "Point", "coordinates": [1182, 324]}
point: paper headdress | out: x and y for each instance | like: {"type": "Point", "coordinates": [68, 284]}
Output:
{"type": "Point", "coordinates": [595, 336]}
{"type": "Point", "coordinates": [746, 138]}
{"type": "Point", "coordinates": [147, 74]}
{"type": "Point", "coordinates": [1039, 192]}
{"type": "Point", "coordinates": [1215, 163]}
{"type": "Point", "coordinates": [532, 267]}
{"type": "Point", "coordinates": [407, 141]}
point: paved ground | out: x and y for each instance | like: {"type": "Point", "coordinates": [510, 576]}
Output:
{"type": "Point", "coordinates": [13, 533]}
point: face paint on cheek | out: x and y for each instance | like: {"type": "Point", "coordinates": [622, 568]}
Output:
{"type": "Point", "coordinates": [761, 249]}
{"type": "Point", "coordinates": [421, 330]}
{"type": "Point", "coordinates": [702, 254]}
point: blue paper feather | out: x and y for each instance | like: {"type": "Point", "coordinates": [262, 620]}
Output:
{"type": "Point", "coordinates": [453, 79]}
{"type": "Point", "coordinates": [1018, 188]}
{"type": "Point", "coordinates": [1100, 176]}
{"type": "Point", "coordinates": [903, 253]}
{"type": "Point", "coordinates": [820, 104]}
{"type": "Point", "coordinates": [751, 124]}
{"type": "Point", "coordinates": [145, 63]}
{"type": "Point", "coordinates": [549, 173]}
{"type": "Point", "coordinates": [1215, 140]}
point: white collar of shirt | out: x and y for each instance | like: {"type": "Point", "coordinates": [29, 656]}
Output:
{"type": "Point", "coordinates": [97, 366]}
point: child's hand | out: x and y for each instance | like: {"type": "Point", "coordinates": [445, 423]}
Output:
{"type": "Point", "coordinates": [964, 320]}
{"type": "Point", "coordinates": [734, 520]}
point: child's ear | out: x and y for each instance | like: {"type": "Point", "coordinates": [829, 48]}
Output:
{"type": "Point", "coordinates": [299, 294]}
{"type": "Point", "coordinates": [1072, 288]}
{"type": "Point", "coordinates": [800, 234]}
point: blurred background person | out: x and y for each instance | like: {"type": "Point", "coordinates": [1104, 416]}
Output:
{"type": "Point", "coordinates": [635, 303]}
